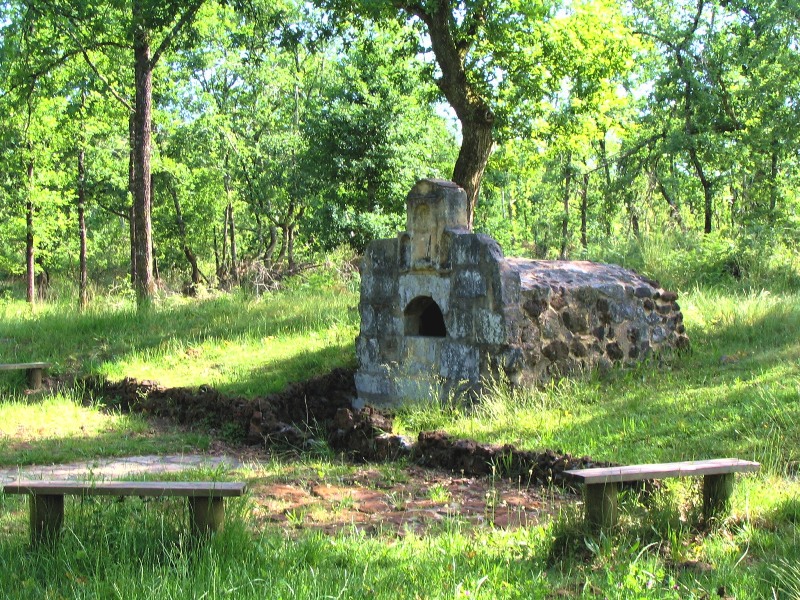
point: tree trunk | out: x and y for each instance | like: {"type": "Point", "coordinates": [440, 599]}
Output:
{"type": "Point", "coordinates": [290, 246]}
{"type": "Point", "coordinates": [216, 253]}
{"type": "Point", "coordinates": [773, 184]}
{"type": "Point", "coordinates": [706, 184]}
{"type": "Point", "coordinates": [132, 191]}
{"type": "Point", "coordinates": [143, 70]}
{"type": "Point", "coordinates": [284, 243]}
{"type": "Point", "coordinates": [584, 209]}
{"type": "Point", "coordinates": [607, 188]}
{"type": "Point", "coordinates": [42, 280]}
{"type": "Point", "coordinates": [475, 115]}
{"type": "Point", "coordinates": [565, 217]}
{"type": "Point", "coordinates": [187, 251]}
{"type": "Point", "coordinates": [674, 212]}
{"type": "Point", "coordinates": [30, 265]}
{"type": "Point", "coordinates": [232, 229]}
{"type": "Point", "coordinates": [633, 216]}
{"type": "Point", "coordinates": [270, 249]}
{"type": "Point", "coordinates": [229, 228]}
{"type": "Point", "coordinates": [222, 274]}
{"type": "Point", "coordinates": [83, 276]}
{"type": "Point", "coordinates": [476, 148]}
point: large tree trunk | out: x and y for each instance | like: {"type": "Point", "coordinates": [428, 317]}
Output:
{"type": "Point", "coordinates": [83, 276]}
{"type": "Point", "coordinates": [143, 68]}
{"type": "Point", "coordinates": [132, 191]}
{"type": "Point", "coordinates": [476, 148]}
{"type": "Point", "coordinates": [30, 264]}
{"type": "Point", "coordinates": [477, 119]}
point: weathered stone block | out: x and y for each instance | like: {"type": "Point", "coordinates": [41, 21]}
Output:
{"type": "Point", "coordinates": [413, 285]}
{"type": "Point", "coordinates": [469, 284]}
{"type": "Point", "coordinates": [460, 362]}
{"type": "Point", "coordinates": [368, 351]}
{"type": "Point", "coordinates": [388, 324]}
{"type": "Point", "coordinates": [367, 313]}
{"type": "Point", "coordinates": [465, 251]}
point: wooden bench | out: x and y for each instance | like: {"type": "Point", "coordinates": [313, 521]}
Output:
{"type": "Point", "coordinates": [205, 498]}
{"type": "Point", "coordinates": [602, 484]}
{"type": "Point", "coordinates": [33, 370]}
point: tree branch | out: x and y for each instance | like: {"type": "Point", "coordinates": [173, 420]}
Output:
{"type": "Point", "coordinates": [97, 72]}
{"type": "Point", "coordinates": [121, 214]}
{"type": "Point", "coordinates": [176, 29]}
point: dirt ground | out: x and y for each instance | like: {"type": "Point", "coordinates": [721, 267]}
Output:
{"type": "Point", "coordinates": [440, 481]}
{"type": "Point", "coordinates": [420, 501]}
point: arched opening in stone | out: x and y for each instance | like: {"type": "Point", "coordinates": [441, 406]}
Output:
{"type": "Point", "coordinates": [424, 318]}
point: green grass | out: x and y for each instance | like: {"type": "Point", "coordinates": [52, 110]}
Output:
{"type": "Point", "coordinates": [234, 342]}
{"type": "Point", "coordinates": [737, 394]}
{"type": "Point", "coordinates": [59, 429]}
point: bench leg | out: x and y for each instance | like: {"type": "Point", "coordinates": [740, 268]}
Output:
{"type": "Point", "coordinates": [206, 515]}
{"type": "Point", "coordinates": [717, 490]}
{"type": "Point", "coordinates": [34, 378]}
{"type": "Point", "coordinates": [47, 515]}
{"type": "Point", "coordinates": [601, 505]}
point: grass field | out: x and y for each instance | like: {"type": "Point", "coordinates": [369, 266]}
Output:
{"type": "Point", "coordinates": [736, 394]}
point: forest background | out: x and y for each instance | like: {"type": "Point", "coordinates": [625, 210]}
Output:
{"type": "Point", "coordinates": [207, 144]}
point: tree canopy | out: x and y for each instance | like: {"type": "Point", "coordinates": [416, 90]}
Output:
{"type": "Point", "coordinates": [213, 143]}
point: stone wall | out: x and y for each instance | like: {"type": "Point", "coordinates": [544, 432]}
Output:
{"type": "Point", "coordinates": [442, 309]}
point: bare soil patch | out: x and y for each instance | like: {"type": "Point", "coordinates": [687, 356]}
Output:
{"type": "Point", "coordinates": [446, 478]}
{"type": "Point", "coordinates": [426, 500]}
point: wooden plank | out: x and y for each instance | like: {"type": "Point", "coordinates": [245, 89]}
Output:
{"type": "Point", "coordinates": [46, 516]}
{"type": "Point", "coordinates": [694, 468]}
{"type": "Point", "coordinates": [193, 489]}
{"type": "Point", "coordinates": [20, 366]}
{"type": "Point", "coordinates": [601, 505]}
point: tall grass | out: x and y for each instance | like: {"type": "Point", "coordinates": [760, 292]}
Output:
{"type": "Point", "coordinates": [60, 428]}
{"type": "Point", "coordinates": [683, 260]}
{"type": "Point", "coordinates": [737, 393]}
{"type": "Point", "coordinates": [238, 343]}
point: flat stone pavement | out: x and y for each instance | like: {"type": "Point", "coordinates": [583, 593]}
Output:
{"type": "Point", "coordinates": [115, 468]}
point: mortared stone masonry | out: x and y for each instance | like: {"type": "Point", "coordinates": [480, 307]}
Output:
{"type": "Point", "coordinates": [442, 310]}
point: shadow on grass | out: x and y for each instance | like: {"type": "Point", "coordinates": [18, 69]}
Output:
{"type": "Point", "coordinates": [702, 408]}
{"type": "Point", "coordinates": [274, 376]}
{"type": "Point", "coordinates": [88, 343]}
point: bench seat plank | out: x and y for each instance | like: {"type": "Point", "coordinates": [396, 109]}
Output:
{"type": "Point", "coordinates": [20, 366]}
{"type": "Point", "coordinates": [34, 371]}
{"type": "Point", "coordinates": [696, 468]}
{"type": "Point", "coordinates": [191, 489]}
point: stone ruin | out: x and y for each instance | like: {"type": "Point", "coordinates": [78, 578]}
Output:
{"type": "Point", "coordinates": [443, 311]}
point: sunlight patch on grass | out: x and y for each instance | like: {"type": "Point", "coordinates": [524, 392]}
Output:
{"type": "Point", "coordinates": [60, 417]}
{"type": "Point", "coordinates": [240, 365]}
{"type": "Point", "coordinates": [235, 342]}
{"type": "Point", "coordinates": [59, 428]}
